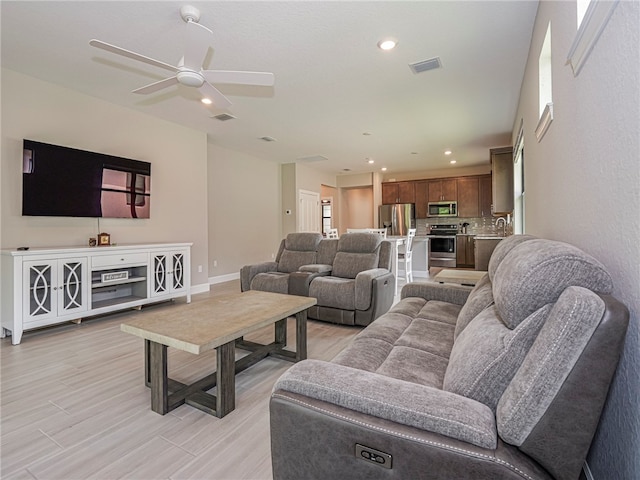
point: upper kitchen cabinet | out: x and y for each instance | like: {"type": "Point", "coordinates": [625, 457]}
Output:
{"type": "Point", "coordinates": [502, 177]}
{"type": "Point", "coordinates": [468, 197]}
{"type": "Point", "coordinates": [398, 192]}
{"type": "Point", "coordinates": [485, 187]}
{"type": "Point", "coordinates": [422, 198]}
{"type": "Point", "coordinates": [443, 190]}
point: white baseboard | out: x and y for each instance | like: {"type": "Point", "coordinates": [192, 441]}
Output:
{"type": "Point", "coordinates": [224, 278]}
{"type": "Point", "coordinates": [587, 471]}
{"type": "Point", "coordinates": [202, 288]}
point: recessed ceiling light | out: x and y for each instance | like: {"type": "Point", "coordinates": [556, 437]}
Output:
{"type": "Point", "coordinates": [366, 134]}
{"type": "Point", "coordinates": [206, 101]}
{"type": "Point", "coordinates": [387, 44]}
{"type": "Point", "coordinates": [452, 162]}
{"type": "Point", "coordinates": [447, 152]}
{"type": "Point", "coordinates": [384, 169]}
{"type": "Point", "coordinates": [414, 153]}
{"type": "Point", "coordinates": [370, 160]}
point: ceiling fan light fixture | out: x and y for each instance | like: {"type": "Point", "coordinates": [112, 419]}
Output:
{"type": "Point", "coordinates": [387, 44]}
{"type": "Point", "coordinates": [190, 79]}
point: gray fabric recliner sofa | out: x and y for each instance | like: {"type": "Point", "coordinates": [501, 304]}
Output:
{"type": "Point", "coordinates": [504, 381]}
{"type": "Point", "coordinates": [350, 277]}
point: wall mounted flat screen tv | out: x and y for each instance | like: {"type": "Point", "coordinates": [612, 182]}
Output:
{"type": "Point", "coordinates": [66, 182]}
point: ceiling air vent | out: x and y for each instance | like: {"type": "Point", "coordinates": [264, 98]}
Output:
{"type": "Point", "coordinates": [425, 65]}
{"type": "Point", "coordinates": [312, 158]}
{"type": "Point", "coordinates": [223, 117]}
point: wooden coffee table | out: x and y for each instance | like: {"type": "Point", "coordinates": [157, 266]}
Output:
{"type": "Point", "coordinates": [218, 323]}
{"type": "Point", "coordinates": [463, 277]}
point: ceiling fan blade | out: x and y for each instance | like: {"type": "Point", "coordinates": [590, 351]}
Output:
{"type": "Point", "coordinates": [127, 53]}
{"type": "Point", "coordinates": [263, 79]}
{"type": "Point", "coordinates": [154, 87]}
{"type": "Point", "coordinates": [197, 43]}
{"type": "Point", "coordinates": [212, 93]}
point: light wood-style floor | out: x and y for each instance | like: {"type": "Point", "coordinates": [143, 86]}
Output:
{"type": "Point", "coordinates": [74, 406]}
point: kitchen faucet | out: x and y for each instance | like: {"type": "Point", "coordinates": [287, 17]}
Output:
{"type": "Point", "coordinates": [504, 225]}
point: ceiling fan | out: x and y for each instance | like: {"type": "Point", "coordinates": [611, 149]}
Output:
{"type": "Point", "coordinates": [189, 71]}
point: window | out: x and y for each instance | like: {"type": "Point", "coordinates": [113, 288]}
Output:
{"type": "Point", "coordinates": [518, 184]}
{"type": "Point", "coordinates": [593, 16]}
{"type": "Point", "coordinates": [545, 91]}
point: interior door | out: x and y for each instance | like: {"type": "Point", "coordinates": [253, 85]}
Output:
{"type": "Point", "coordinates": [309, 211]}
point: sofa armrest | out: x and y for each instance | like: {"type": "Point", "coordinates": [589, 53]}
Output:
{"type": "Point", "coordinates": [316, 268]}
{"type": "Point", "coordinates": [450, 293]}
{"type": "Point", "coordinates": [406, 403]}
{"type": "Point", "coordinates": [364, 286]}
{"type": "Point", "coordinates": [249, 271]}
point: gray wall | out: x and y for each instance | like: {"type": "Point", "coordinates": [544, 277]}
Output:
{"type": "Point", "coordinates": [45, 112]}
{"type": "Point", "coordinates": [582, 184]}
{"type": "Point", "coordinates": [244, 211]}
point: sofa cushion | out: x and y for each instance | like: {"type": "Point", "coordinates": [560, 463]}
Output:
{"type": "Point", "coordinates": [536, 272]}
{"type": "Point", "coordinates": [440, 312]}
{"type": "Point", "coordinates": [480, 298]}
{"type": "Point", "coordinates": [487, 354]}
{"type": "Point", "coordinates": [364, 353]}
{"type": "Point", "coordinates": [274, 282]}
{"type": "Point", "coordinates": [334, 292]}
{"type": "Point", "coordinates": [415, 366]}
{"type": "Point", "coordinates": [356, 252]}
{"type": "Point", "coordinates": [348, 265]}
{"type": "Point", "coordinates": [428, 335]}
{"type": "Point", "coordinates": [560, 343]}
{"type": "Point", "coordinates": [503, 248]}
{"type": "Point", "coordinates": [291, 260]}
{"type": "Point", "coordinates": [299, 249]}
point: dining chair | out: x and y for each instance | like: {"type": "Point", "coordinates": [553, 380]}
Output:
{"type": "Point", "coordinates": [379, 231]}
{"type": "Point", "coordinates": [405, 255]}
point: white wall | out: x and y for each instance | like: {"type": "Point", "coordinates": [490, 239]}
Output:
{"type": "Point", "coordinates": [244, 210]}
{"type": "Point", "coordinates": [582, 184]}
{"type": "Point", "coordinates": [45, 112]}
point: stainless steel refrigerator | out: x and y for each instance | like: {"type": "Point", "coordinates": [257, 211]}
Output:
{"type": "Point", "coordinates": [397, 218]}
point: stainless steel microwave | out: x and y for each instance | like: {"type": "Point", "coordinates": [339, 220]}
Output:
{"type": "Point", "coordinates": [442, 209]}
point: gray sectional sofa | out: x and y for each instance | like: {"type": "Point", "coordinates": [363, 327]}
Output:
{"type": "Point", "coordinates": [504, 381]}
{"type": "Point", "coordinates": [350, 277]}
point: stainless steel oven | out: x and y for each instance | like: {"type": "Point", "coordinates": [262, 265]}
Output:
{"type": "Point", "coordinates": [442, 245]}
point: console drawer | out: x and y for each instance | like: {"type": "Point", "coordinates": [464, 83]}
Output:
{"type": "Point", "coordinates": [108, 261]}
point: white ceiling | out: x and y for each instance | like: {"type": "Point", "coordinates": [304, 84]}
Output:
{"type": "Point", "coordinates": [332, 82]}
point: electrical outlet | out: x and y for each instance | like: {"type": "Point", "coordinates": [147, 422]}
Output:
{"type": "Point", "coordinates": [215, 263]}
{"type": "Point", "coordinates": [273, 255]}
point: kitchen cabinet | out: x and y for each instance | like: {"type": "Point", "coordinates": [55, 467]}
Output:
{"type": "Point", "coordinates": [468, 197]}
{"type": "Point", "coordinates": [483, 249]}
{"type": "Point", "coordinates": [443, 190]}
{"type": "Point", "coordinates": [484, 184]}
{"type": "Point", "coordinates": [422, 198]}
{"type": "Point", "coordinates": [398, 192]}
{"type": "Point", "coordinates": [465, 251]}
{"type": "Point", "coordinates": [502, 180]}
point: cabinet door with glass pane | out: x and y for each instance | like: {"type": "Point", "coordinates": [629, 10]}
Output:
{"type": "Point", "coordinates": [54, 287]}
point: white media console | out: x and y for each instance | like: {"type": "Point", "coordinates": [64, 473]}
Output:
{"type": "Point", "coordinates": [46, 286]}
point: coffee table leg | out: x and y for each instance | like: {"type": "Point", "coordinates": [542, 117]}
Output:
{"type": "Point", "coordinates": [281, 332]}
{"type": "Point", "coordinates": [301, 335]}
{"type": "Point", "coordinates": [226, 379]}
{"type": "Point", "coordinates": [157, 372]}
